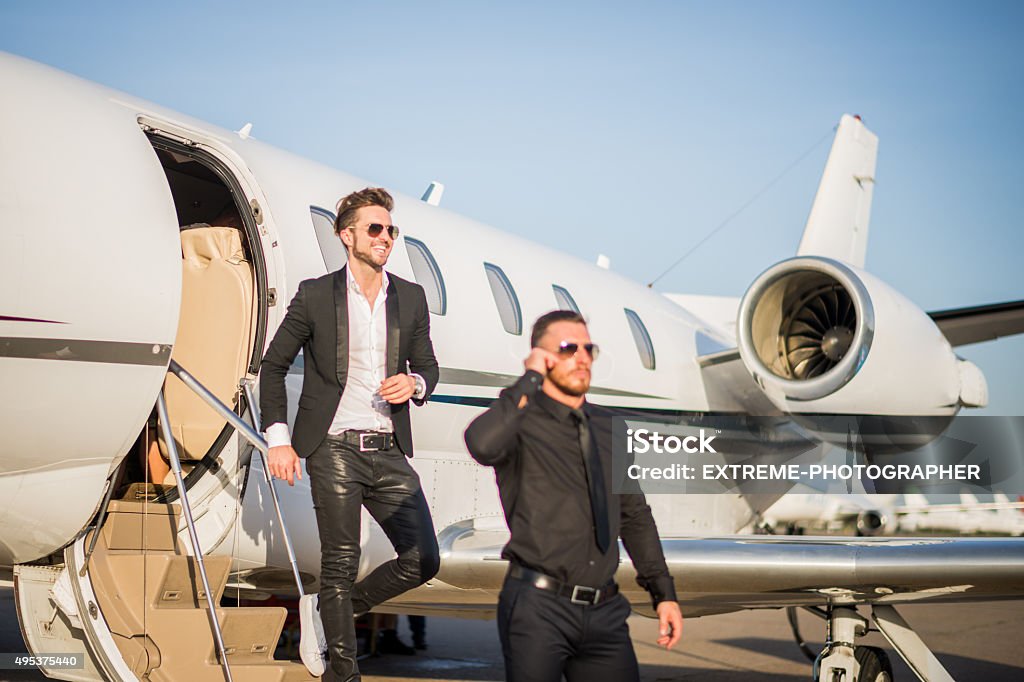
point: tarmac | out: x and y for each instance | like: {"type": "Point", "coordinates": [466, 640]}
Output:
{"type": "Point", "coordinates": [981, 641]}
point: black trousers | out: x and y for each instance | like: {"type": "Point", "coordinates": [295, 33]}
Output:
{"type": "Point", "coordinates": [545, 636]}
{"type": "Point", "coordinates": [343, 480]}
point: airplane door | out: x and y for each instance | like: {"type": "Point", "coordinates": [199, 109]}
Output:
{"type": "Point", "coordinates": [90, 288]}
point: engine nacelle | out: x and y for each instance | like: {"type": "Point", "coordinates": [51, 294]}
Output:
{"type": "Point", "coordinates": [820, 336]}
{"type": "Point", "coordinates": [872, 522]}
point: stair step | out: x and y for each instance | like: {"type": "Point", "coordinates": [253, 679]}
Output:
{"type": "Point", "coordinates": [250, 632]}
{"type": "Point", "coordinates": [137, 492]}
{"type": "Point", "coordinates": [165, 580]}
{"type": "Point", "coordinates": [141, 525]}
{"type": "Point", "coordinates": [151, 597]}
{"type": "Point", "coordinates": [279, 671]}
{"type": "Point", "coordinates": [184, 640]}
{"type": "Point", "coordinates": [182, 585]}
{"type": "Point", "coordinates": [136, 586]}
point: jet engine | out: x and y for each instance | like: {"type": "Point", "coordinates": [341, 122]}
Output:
{"type": "Point", "coordinates": [872, 522]}
{"type": "Point", "coordinates": [823, 337]}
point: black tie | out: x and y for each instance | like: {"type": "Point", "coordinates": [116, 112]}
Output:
{"type": "Point", "coordinates": [595, 482]}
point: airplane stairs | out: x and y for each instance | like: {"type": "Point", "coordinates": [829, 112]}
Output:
{"type": "Point", "coordinates": [150, 595]}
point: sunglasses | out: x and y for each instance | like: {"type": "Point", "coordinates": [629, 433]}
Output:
{"type": "Point", "coordinates": [374, 230]}
{"type": "Point", "coordinates": [567, 349]}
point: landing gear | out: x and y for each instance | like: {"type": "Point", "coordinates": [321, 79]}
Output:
{"type": "Point", "coordinates": [874, 664]}
{"type": "Point", "coordinates": [843, 661]}
{"type": "Point", "coordinates": [837, 662]}
{"type": "Point", "coordinates": [909, 646]}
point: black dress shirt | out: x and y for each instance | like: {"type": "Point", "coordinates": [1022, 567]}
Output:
{"type": "Point", "coordinates": [532, 441]}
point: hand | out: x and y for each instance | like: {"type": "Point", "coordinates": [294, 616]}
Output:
{"type": "Point", "coordinates": [284, 463]}
{"type": "Point", "coordinates": [670, 623]}
{"type": "Point", "coordinates": [397, 389]}
{"type": "Point", "coordinates": [540, 360]}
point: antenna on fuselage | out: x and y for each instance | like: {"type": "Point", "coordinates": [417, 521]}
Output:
{"type": "Point", "coordinates": [244, 131]}
{"type": "Point", "coordinates": [433, 194]}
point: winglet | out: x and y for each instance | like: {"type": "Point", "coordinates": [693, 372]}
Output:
{"type": "Point", "coordinates": [838, 224]}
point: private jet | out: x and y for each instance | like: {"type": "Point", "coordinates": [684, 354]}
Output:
{"type": "Point", "coordinates": [148, 258]}
{"type": "Point", "coordinates": [797, 512]}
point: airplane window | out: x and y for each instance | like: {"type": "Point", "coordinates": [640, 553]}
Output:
{"type": "Point", "coordinates": [644, 346]}
{"type": "Point", "coordinates": [331, 247]}
{"type": "Point", "coordinates": [564, 299]}
{"type": "Point", "coordinates": [505, 298]}
{"type": "Point", "coordinates": [427, 274]}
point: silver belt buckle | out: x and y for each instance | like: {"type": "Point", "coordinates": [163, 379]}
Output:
{"type": "Point", "coordinates": [362, 443]}
{"type": "Point", "coordinates": [594, 595]}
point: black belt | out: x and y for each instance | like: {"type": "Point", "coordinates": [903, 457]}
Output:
{"type": "Point", "coordinates": [366, 441]}
{"type": "Point", "coordinates": [577, 594]}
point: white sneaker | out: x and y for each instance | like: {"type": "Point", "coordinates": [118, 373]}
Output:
{"type": "Point", "coordinates": [312, 642]}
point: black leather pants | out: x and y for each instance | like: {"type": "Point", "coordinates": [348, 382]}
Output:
{"type": "Point", "coordinates": [343, 480]}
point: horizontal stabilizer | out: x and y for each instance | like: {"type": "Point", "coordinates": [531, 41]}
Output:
{"type": "Point", "coordinates": [962, 326]}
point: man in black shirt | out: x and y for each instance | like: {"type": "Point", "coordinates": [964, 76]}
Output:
{"type": "Point", "coordinates": [560, 612]}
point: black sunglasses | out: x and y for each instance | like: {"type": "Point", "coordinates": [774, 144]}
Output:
{"type": "Point", "coordinates": [374, 230]}
{"type": "Point", "coordinates": [567, 349]}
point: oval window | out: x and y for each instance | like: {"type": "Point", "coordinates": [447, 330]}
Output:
{"type": "Point", "coordinates": [641, 338]}
{"type": "Point", "coordinates": [564, 299]}
{"type": "Point", "coordinates": [427, 275]}
{"type": "Point", "coordinates": [505, 299]}
{"type": "Point", "coordinates": [331, 247]}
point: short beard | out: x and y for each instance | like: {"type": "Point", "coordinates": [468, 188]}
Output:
{"type": "Point", "coordinates": [369, 261]}
{"type": "Point", "coordinates": [366, 257]}
{"type": "Point", "coordinates": [568, 390]}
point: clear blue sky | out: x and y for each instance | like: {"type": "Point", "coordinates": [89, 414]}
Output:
{"type": "Point", "coordinates": [630, 130]}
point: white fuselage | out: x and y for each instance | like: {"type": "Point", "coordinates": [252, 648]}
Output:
{"type": "Point", "coordinates": [91, 275]}
{"type": "Point", "coordinates": [93, 257]}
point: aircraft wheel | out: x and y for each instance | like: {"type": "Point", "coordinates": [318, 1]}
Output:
{"type": "Point", "coordinates": [874, 664]}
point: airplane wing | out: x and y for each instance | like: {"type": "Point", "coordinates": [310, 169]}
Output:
{"type": "Point", "coordinates": [980, 323]}
{"type": "Point", "coordinates": [731, 573]}
{"type": "Point", "coordinates": [738, 572]}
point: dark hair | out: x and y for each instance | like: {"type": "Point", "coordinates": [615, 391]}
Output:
{"type": "Point", "coordinates": [540, 327]}
{"type": "Point", "coordinates": [348, 205]}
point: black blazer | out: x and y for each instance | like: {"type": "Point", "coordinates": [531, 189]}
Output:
{"type": "Point", "coordinates": [313, 321]}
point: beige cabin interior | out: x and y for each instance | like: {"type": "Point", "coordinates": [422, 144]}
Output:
{"type": "Point", "coordinates": [216, 327]}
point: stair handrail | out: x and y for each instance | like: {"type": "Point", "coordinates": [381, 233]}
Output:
{"type": "Point", "coordinates": [253, 436]}
{"type": "Point", "coordinates": [254, 412]}
{"type": "Point", "coordinates": [223, 410]}
{"type": "Point", "coordinates": [186, 508]}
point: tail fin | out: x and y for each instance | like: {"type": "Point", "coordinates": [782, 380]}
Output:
{"type": "Point", "coordinates": [838, 224]}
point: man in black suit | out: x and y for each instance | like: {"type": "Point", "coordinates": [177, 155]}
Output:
{"type": "Point", "coordinates": [560, 613]}
{"type": "Point", "coordinates": [365, 337]}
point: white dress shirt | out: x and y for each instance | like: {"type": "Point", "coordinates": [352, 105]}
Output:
{"type": "Point", "coordinates": [361, 406]}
